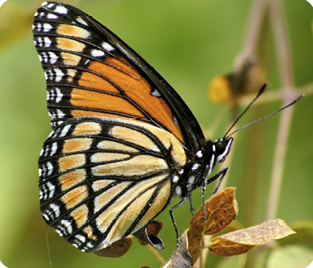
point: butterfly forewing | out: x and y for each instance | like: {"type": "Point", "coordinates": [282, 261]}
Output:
{"type": "Point", "coordinates": [91, 72]}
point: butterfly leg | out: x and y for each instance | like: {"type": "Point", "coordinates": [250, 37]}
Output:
{"type": "Point", "coordinates": [191, 206]}
{"type": "Point", "coordinates": [172, 217]}
{"type": "Point", "coordinates": [220, 174]}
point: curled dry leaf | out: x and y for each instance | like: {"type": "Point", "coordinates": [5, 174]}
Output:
{"type": "Point", "coordinates": [148, 234]}
{"type": "Point", "coordinates": [221, 209]}
{"type": "Point", "coordinates": [243, 240]}
{"type": "Point", "coordinates": [117, 249]}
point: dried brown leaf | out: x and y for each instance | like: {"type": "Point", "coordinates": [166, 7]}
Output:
{"type": "Point", "coordinates": [117, 249]}
{"type": "Point", "coordinates": [221, 209]}
{"type": "Point", "coordinates": [194, 244]}
{"type": "Point", "coordinates": [223, 247]}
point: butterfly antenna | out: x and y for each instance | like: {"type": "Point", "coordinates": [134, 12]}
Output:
{"type": "Point", "coordinates": [260, 119]}
{"type": "Point", "coordinates": [247, 108]}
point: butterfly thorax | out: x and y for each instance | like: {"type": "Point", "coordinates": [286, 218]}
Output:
{"type": "Point", "coordinates": [199, 166]}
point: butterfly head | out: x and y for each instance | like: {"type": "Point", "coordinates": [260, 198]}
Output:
{"type": "Point", "coordinates": [221, 148]}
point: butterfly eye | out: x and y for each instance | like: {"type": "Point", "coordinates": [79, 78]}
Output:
{"type": "Point", "coordinates": [220, 145]}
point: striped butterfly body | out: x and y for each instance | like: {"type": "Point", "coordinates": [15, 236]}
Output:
{"type": "Point", "coordinates": [123, 142]}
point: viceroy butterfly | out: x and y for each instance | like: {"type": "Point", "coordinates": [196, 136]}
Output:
{"type": "Point", "coordinates": [123, 142]}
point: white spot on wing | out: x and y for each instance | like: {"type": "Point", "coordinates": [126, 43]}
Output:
{"type": "Point", "coordinates": [47, 41]}
{"type": "Point", "coordinates": [53, 209]}
{"type": "Point", "coordinates": [156, 93]}
{"type": "Point", "coordinates": [51, 16]}
{"type": "Point", "coordinates": [54, 148]}
{"type": "Point", "coordinates": [97, 53]}
{"type": "Point", "coordinates": [53, 57]}
{"type": "Point", "coordinates": [38, 27]}
{"type": "Point", "coordinates": [47, 27]}
{"type": "Point", "coordinates": [175, 120]}
{"type": "Point", "coordinates": [59, 95]}
{"type": "Point", "coordinates": [65, 130]}
{"type": "Point", "coordinates": [67, 227]}
{"type": "Point", "coordinates": [51, 5]}
{"type": "Point", "coordinates": [107, 46]}
{"type": "Point", "coordinates": [61, 10]}
{"type": "Point", "coordinates": [49, 168]}
{"type": "Point", "coordinates": [89, 245]}
{"type": "Point", "coordinates": [81, 238]}
{"type": "Point", "coordinates": [59, 75]}
{"type": "Point", "coordinates": [51, 189]}
{"type": "Point", "coordinates": [81, 21]}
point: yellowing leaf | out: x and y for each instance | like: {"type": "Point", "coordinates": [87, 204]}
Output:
{"type": "Point", "coordinates": [261, 233]}
{"type": "Point", "coordinates": [243, 240]}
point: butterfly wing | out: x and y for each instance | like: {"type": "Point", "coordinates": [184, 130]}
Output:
{"type": "Point", "coordinates": [91, 72]}
{"type": "Point", "coordinates": [102, 179]}
{"type": "Point", "coordinates": [119, 131]}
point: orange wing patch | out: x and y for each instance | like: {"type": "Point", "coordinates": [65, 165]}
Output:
{"type": "Point", "coordinates": [89, 79]}
{"type": "Point", "coordinates": [87, 128]}
{"type": "Point", "coordinates": [71, 161]}
{"type": "Point", "coordinates": [89, 231]}
{"type": "Point", "coordinates": [71, 30]}
{"type": "Point", "coordinates": [96, 100]}
{"type": "Point", "coordinates": [75, 196]}
{"type": "Point", "coordinates": [76, 145]}
{"type": "Point", "coordinates": [68, 44]}
{"type": "Point", "coordinates": [111, 77]}
{"type": "Point", "coordinates": [72, 178]}
{"type": "Point", "coordinates": [80, 215]}
{"type": "Point", "coordinates": [70, 59]}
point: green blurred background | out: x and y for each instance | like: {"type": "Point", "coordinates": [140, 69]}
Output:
{"type": "Point", "coordinates": [188, 42]}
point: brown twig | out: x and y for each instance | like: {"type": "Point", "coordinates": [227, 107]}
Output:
{"type": "Point", "coordinates": [284, 55]}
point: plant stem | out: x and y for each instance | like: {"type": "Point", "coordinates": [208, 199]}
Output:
{"type": "Point", "coordinates": [288, 94]}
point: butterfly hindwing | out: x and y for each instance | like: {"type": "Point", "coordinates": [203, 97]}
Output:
{"type": "Point", "coordinates": [99, 182]}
